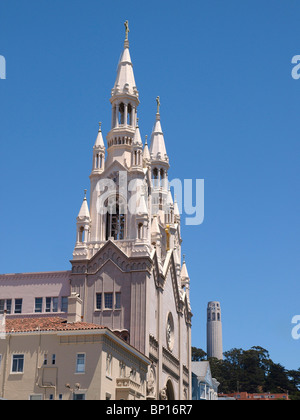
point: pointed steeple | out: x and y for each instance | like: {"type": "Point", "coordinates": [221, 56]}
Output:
{"type": "Point", "coordinates": [99, 140]}
{"type": "Point", "coordinates": [158, 150]}
{"type": "Point", "coordinates": [84, 212]}
{"type": "Point", "coordinates": [146, 153]}
{"type": "Point", "coordinates": [125, 81]}
{"type": "Point", "coordinates": [184, 273]}
{"type": "Point", "coordinates": [137, 140]}
{"type": "Point", "coordinates": [98, 153]}
{"type": "Point", "coordinates": [125, 101]}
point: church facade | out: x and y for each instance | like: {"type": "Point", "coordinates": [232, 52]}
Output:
{"type": "Point", "coordinates": [127, 266]}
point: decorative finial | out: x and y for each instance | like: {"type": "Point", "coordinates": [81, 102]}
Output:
{"type": "Point", "coordinates": [126, 30]}
{"type": "Point", "coordinates": [137, 122]}
{"type": "Point", "coordinates": [146, 141]}
{"type": "Point", "coordinates": [183, 258]}
{"type": "Point", "coordinates": [158, 104]}
{"type": "Point", "coordinates": [85, 191]}
{"type": "Point", "coordinates": [100, 123]}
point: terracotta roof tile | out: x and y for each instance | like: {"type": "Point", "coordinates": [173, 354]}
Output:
{"type": "Point", "coordinates": [47, 324]}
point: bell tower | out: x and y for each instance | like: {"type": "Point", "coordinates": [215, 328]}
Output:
{"type": "Point", "coordinates": [124, 102]}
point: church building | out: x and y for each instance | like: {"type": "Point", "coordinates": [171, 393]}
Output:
{"type": "Point", "coordinates": [127, 269]}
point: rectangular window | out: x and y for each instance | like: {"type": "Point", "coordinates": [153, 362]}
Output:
{"type": "Point", "coordinates": [64, 304]}
{"type": "Point", "coordinates": [118, 301]}
{"type": "Point", "coordinates": [53, 359]}
{"type": "Point", "coordinates": [108, 300]}
{"type": "Point", "coordinates": [5, 304]}
{"type": "Point", "coordinates": [45, 359]}
{"type": "Point", "coordinates": [51, 304]}
{"type": "Point", "coordinates": [99, 301]}
{"type": "Point", "coordinates": [48, 304]}
{"type": "Point", "coordinates": [17, 363]}
{"type": "Point", "coordinates": [38, 305]}
{"type": "Point", "coordinates": [79, 397]}
{"type": "Point", "coordinates": [18, 306]}
{"type": "Point", "coordinates": [8, 306]}
{"type": "Point", "coordinates": [80, 363]}
{"type": "Point", "coordinates": [36, 397]}
{"type": "Point", "coordinates": [55, 304]}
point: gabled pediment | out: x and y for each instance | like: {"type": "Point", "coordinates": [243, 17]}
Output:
{"type": "Point", "coordinates": [111, 252]}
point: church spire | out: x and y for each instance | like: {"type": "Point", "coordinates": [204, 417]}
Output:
{"type": "Point", "coordinates": [125, 81]}
{"type": "Point", "coordinates": [124, 100]}
{"type": "Point", "coordinates": [158, 150]}
{"type": "Point", "coordinates": [98, 153]}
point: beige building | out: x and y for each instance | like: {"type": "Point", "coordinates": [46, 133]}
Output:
{"type": "Point", "coordinates": [49, 358]}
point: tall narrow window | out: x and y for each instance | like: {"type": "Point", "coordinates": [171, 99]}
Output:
{"type": "Point", "coordinates": [129, 115]}
{"type": "Point", "coordinates": [99, 301]}
{"type": "Point", "coordinates": [64, 304]}
{"type": "Point", "coordinates": [121, 113]}
{"type": "Point", "coordinates": [155, 177]}
{"type": "Point", "coordinates": [140, 231]}
{"type": "Point", "coordinates": [8, 306]}
{"type": "Point", "coordinates": [18, 306]}
{"type": "Point", "coordinates": [81, 234]}
{"type": "Point", "coordinates": [38, 305]}
{"type": "Point", "coordinates": [80, 363]}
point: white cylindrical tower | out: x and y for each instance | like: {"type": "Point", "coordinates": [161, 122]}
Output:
{"type": "Point", "coordinates": [214, 330]}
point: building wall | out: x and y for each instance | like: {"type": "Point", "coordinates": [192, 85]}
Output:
{"type": "Point", "coordinates": [28, 286]}
{"type": "Point", "coordinates": [102, 378]}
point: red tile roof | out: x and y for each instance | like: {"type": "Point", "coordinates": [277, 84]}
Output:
{"type": "Point", "coordinates": [47, 324]}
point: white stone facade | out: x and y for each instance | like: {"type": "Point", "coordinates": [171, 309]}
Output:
{"type": "Point", "coordinates": [127, 263]}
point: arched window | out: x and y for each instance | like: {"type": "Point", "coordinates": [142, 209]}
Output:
{"type": "Point", "coordinates": [121, 113]}
{"type": "Point", "coordinates": [129, 115]}
{"type": "Point", "coordinates": [81, 234]}
{"type": "Point", "coordinates": [162, 177]}
{"type": "Point", "coordinates": [155, 177]}
{"type": "Point", "coordinates": [140, 231]}
{"type": "Point", "coordinates": [115, 219]}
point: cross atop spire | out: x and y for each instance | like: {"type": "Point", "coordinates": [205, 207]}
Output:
{"type": "Point", "coordinates": [126, 43]}
{"type": "Point", "coordinates": [158, 104]}
{"type": "Point", "coordinates": [126, 30]}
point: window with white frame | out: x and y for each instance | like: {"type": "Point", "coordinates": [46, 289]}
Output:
{"type": "Point", "coordinates": [17, 363]}
{"type": "Point", "coordinates": [108, 300]}
{"type": "Point", "coordinates": [80, 363]}
{"type": "Point", "coordinates": [18, 306]}
{"type": "Point", "coordinates": [38, 305]}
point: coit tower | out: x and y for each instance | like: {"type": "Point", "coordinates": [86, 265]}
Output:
{"type": "Point", "coordinates": [214, 330]}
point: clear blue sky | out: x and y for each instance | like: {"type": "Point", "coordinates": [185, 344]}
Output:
{"type": "Point", "coordinates": [230, 115]}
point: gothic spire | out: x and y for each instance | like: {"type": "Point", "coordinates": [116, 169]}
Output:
{"type": "Point", "coordinates": [158, 150]}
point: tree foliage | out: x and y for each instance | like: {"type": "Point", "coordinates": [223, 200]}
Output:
{"type": "Point", "coordinates": [251, 371]}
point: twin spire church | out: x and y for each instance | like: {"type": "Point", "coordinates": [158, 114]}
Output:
{"type": "Point", "coordinates": [126, 271]}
